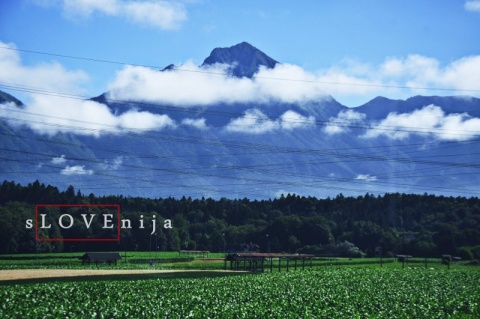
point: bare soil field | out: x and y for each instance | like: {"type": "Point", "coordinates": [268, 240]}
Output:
{"type": "Point", "coordinates": [22, 274]}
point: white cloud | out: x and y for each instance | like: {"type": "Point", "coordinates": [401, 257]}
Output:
{"type": "Point", "coordinates": [395, 78]}
{"type": "Point", "coordinates": [117, 162]}
{"type": "Point", "coordinates": [288, 83]}
{"type": "Point", "coordinates": [255, 121]}
{"type": "Point", "coordinates": [472, 5]}
{"type": "Point", "coordinates": [365, 178]}
{"type": "Point", "coordinates": [197, 123]}
{"type": "Point", "coordinates": [84, 8]}
{"type": "Point", "coordinates": [211, 84]}
{"type": "Point", "coordinates": [143, 121]}
{"type": "Point", "coordinates": [59, 160]}
{"type": "Point", "coordinates": [428, 121]}
{"type": "Point", "coordinates": [291, 120]}
{"type": "Point", "coordinates": [47, 76]}
{"type": "Point", "coordinates": [343, 121]}
{"type": "Point", "coordinates": [50, 114]}
{"type": "Point", "coordinates": [76, 170]}
{"type": "Point", "coordinates": [401, 78]}
{"type": "Point", "coordinates": [113, 165]}
{"type": "Point", "coordinates": [421, 72]}
{"type": "Point", "coordinates": [162, 14]}
{"type": "Point", "coordinates": [204, 86]}
{"type": "Point", "coordinates": [346, 83]}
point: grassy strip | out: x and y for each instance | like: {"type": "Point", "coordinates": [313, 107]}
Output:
{"type": "Point", "coordinates": [172, 260]}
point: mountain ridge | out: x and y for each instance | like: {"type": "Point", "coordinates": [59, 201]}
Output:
{"type": "Point", "coordinates": [381, 106]}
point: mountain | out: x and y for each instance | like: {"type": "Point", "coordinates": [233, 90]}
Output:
{"type": "Point", "coordinates": [258, 150]}
{"type": "Point", "coordinates": [244, 57]}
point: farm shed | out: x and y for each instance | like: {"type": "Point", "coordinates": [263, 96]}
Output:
{"type": "Point", "coordinates": [403, 258]}
{"type": "Point", "coordinates": [256, 261]}
{"type": "Point", "coordinates": [108, 258]}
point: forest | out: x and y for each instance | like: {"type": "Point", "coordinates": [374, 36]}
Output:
{"type": "Point", "coordinates": [420, 225]}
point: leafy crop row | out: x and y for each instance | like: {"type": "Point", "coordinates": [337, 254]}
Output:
{"type": "Point", "coordinates": [332, 293]}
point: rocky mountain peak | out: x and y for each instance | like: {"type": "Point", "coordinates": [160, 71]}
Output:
{"type": "Point", "coordinates": [244, 58]}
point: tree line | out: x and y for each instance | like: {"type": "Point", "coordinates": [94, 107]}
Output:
{"type": "Point", "coordinates": [415, 224]}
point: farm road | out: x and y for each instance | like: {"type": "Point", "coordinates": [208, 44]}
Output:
{"type": "Point", "coordinates": [22, 274]}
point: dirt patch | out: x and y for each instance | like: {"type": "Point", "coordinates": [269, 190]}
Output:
{"type": "Point", "coordinates": [22, 274]}
{"type": "Point", "coordinates": [209, 260]}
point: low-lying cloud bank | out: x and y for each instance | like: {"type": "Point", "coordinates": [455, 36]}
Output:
{"type": "Point", "coordinates": [54, 106]}
{"type": "Point", "coordinates": [49, 77]}
{"type": "Point", "coordinates": [191, 85]}
{"type": "Point", "coordinates": [255, 121]}
{"type": "Point", "coordinates": [51, 115]}
{"type": "Point", "coordinates": [344, 121]}
{"type": "Point", "coordinates": [429, 121]}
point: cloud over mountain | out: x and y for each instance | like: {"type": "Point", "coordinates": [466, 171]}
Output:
{"type": "Point", "coordinates": [50, 115]}
{"type": "Point", "coordinates": [191, 85]}
{"type": "Point", "coordinates": [400, 77]}
{"type": "Point", "coordinates": [51, 76]}
{"type": "Point", "coordinates": [343, 121]}
{"type": "Point", "coordinates": [254, 121]}
{"type": "Point", "coordinates": [198, 123]}
{"type": "Point", "coordinates": [54, 104]}
{"type": "Point", "coordinates": [428, 121]}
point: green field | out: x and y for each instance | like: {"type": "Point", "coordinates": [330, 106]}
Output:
{"type": "Point", "coordinates": [329, 293]}
{"type": "Point", "coordinates": [332, 288]}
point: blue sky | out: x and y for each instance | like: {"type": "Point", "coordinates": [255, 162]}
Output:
{"type": "Point", "coordinates": [423, 44]}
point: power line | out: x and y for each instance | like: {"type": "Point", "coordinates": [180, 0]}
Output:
{"type": "Point", "coordinates": [343, 156]}
{"type": "Point", "coordinates": [335, 122]}
{"type": "Point", "coordinates": [251, 147]}
{"type": "Point", "coordinates": [177, 138]}
{"type": "Point", "coordinates": [166, 136]}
